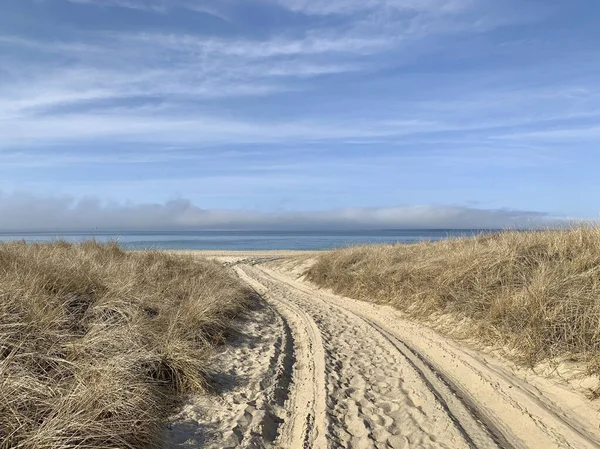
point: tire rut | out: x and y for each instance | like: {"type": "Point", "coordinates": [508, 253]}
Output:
{"type": "Point", "coordinates": [376, 397]}
{"type": "Point", "coordinates": [303, 416]}
{"type": "Point", "coordinates": [477, 430]}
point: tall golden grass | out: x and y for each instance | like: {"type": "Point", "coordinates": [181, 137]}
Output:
{"type": "Point", "coordinates": [97, 345]}
{"type": "Point", "coordinates": [537, 292]}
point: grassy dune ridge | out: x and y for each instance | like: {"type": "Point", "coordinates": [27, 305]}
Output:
{"type": "Point", "coordinates": [98, 344]}
{"type": "Point", "coordinates": [537, 292]}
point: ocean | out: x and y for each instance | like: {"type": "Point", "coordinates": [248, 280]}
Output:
{"type": "Point", "coordinates": [245, 240]}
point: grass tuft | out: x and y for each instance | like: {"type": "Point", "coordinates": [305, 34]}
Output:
{"type": "Point", "coordinates": [537, 292]}
{"type": "Point", "coordinates": [97, 344]}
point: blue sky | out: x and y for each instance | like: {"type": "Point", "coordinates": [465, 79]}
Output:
{"type": "Point", "coordinates": [268, 113]}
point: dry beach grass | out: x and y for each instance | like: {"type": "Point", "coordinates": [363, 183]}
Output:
{"type": "Point", "coordinates": [536, 292]}
{"type": "Point", "coordinates": [97, 345]}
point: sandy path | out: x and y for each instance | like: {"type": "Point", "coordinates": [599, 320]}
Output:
{"type": "Point", "coordinates": [316, 370]}
{"type": "Point", "coordinates": [373, 396]}
{"type": "Point", "coordinates": [304, 420]}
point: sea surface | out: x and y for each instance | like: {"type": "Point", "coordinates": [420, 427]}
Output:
{"type": "Point", "coordinates": [245, 240]}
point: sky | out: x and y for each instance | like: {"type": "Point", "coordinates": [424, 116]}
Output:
{"type": "Point", "coordinates": [298, 113]}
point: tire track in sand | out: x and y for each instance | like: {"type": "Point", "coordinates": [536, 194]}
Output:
{"type": "Point", "coordinates": [303, 417]}
{"type": "Point", "coordinates": [377, 397]}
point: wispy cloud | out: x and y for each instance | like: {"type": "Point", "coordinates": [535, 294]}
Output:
{"type": "Point", "coordinates": [145, 126]}
{"type": "Point", "coordinates": [353, 6]}
{"type": "Point", "coordinates": [110, 65]}
{"type": "Point", "coordinates": [590, 133]}
{"type": "Point", "coordinates": [306, 6]}
{"type": "Point", "coordinates": [111, 84]}
{"type": "Point", "coordinates": [171, 67]}
{"type": "Point", "coordinates": [158, 6]}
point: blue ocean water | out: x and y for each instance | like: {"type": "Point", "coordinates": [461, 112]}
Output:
{"type": "Point", "coordinates": [246, 240]}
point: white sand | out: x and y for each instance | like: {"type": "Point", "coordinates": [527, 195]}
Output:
{"type": "Point", "coordinates": [313, 369]}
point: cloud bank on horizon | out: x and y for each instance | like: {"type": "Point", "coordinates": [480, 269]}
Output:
{"type": "Point", "coordinates": [26, 213]}
{"type": "Point", "coordinates": [480, 110]}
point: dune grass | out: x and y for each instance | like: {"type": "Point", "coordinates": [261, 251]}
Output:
{"type": "Point", "coordinates": [97, 345]}
{"type": "Point", "coordinates": [535, 292]}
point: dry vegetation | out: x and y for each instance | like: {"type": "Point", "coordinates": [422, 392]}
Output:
{"type": "Point", "coordinates": [537, 292]}
{"type": "Point", "coordinates": [97, 345]}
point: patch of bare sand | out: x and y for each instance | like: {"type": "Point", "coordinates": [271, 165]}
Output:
{"type": "Point", "coordinates": [237, 256]}
{"type": "Point", "coordinates": [251, 378]}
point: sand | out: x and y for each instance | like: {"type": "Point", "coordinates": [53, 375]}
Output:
{"type": "Point", "coordinates": [310, 369]}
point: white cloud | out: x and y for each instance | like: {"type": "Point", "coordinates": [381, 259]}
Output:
{"type": "Point", "coordinates": [146, 125]}
{"type": "Point", "coordinates": [170, 67]}
{"type": "Point", "coordinates": [319, 7]}
{"type": "Point", "coordinates": [45, 103]}
{"type": "Point", "coordinates": [180, 69]}
{"type": "Point", "coordinates": [159, 6]}
{"type": "Point", "coordinates": [118, 66]}
{"type": "Point", "coordinates": [557, 135]}
{"type": "Point", "coordinates": [312, 43]}
{"type": "Point", "coordinates": [24, 212]}
{"type": "Point", "coordinates": [353, 6]}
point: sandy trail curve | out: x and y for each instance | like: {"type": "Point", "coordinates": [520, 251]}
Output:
{"type": "Point", "coordinates": [316, 370]}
